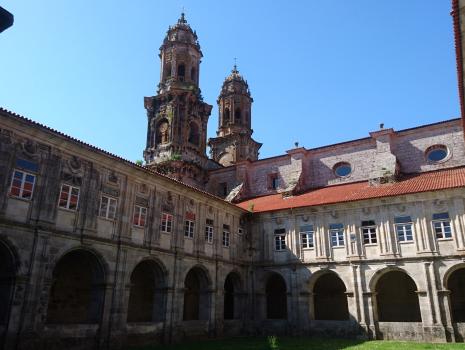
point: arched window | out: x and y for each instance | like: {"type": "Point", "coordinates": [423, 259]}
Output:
{"type": "Point", "coordinates": [147, 296]}
{"type": "Point", "coordinates": [226, 116]}
{"type": "Point", "coordinates": [396, 298]}
{"type": "Point", "coordinates": [232, 302]}
{"type": "Point", "coordinates": [162, 132]}
{"type": "Point", "coordinates": [456, 285]}
{"type": "Point", "coordinates": [77, 291]}
{"type": "Point", "coordinates": [237, 116]}
{"type": "Point", "coordinates": [329, 298]}
{"type": "Point", "coordinates": [7, 279]}
{"type": "Point", "coordinates": [196, 295]}
{"type": "Point", "coordinates": [194, 136]}
{"type": "Point", "coordinates": [181, 72]}
{"type": "Point", "coordinates": [193, 74]}
{"type": "Point", "coordinates": [276, 297]}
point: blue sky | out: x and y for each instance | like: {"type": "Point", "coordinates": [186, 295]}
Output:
{"type": "Point", "coordinates": [320, 72]}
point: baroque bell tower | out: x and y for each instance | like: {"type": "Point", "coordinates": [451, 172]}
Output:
{"type": "Point", "coordinates": [234, 142]}
{"type": "Point", "coordinates": [177, 115]}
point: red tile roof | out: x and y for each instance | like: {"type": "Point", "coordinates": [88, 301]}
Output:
{"type": "Point", "coordinates": [415, 183]}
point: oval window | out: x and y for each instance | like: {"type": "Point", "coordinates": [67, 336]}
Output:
{"type": "Point", "coordinates": [342, 169]}
{"type": "Point", "coordinates": [437, 153]}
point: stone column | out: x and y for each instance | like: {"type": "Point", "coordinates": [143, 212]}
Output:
{"type": "Point", "coordinates": [457, 216]}
{"type": "Point", "coordinates": [444, 300]}
{"type": "Point", "coordinates": [369, 300]}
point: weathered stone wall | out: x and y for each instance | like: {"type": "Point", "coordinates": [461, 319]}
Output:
{"type": "Point", "coordinates": [383, 154]}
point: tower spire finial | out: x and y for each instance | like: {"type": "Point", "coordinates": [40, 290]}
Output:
{"type": "Point", "coordinates": [235, 66]}
{"type": "Point", "coordinates": [182, 19]}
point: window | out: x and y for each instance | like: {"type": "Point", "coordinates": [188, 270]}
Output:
{"type": "Point", "coordinates": [22, 184]}
{"type": "Point", "coordinates": [369, 232]}
{"type": "Point", "coordinates": [189, 229]}
{"type": "Point", "coordinates": [240, 231]}
{"type": "Point", "coordinates": [306, 236]}
{"type": "Point", "coordinates": [209, 231]}
{"type": "Point", "coordinates": [226, 235]}
{"type": "Point", "coordinates": [166, 222]}
{"type": "Point", "coordinates": [437, 153]}
{"type": "Point", "coordinates": [140, 215]}
{"type": "Point", "coordinates": [273, 181]}
{"type": "Point", "coordinates": [108, 207]}
{"type": "Point", "coordinates": [342, 169]}
{"type": "Point", "coordinates": [403, 225]}
{"type": "Point", "coordinates": [280, 239]}
{"type": "Point", "coordinates": [69, 197]}
{"type": "Point", "coordinates": [336, 232]}
{"type": "Point", "coordinates": [181, 72]}
{"type": "Point", "coordinates": [441, 224]}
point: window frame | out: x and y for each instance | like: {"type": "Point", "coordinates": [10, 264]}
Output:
{"type": "Point", "coordinates": [209, 232]}
{"type": "Point", "coordinates": [189, 228]}
{"type": "Point", "coordinates": [367, 237]}
{"type": "Point", "coordinates": [138, 211]}
{"type": "Point", "coordinates": [166, 222]}
{"type": "Point", "coordinates": [309, 237]}
{"type": "Point", "coordinates": [442, 222]}
{"type": "Point", "coordinates": [226, 237]}
{"type": "Point", "coordinates": [280, 240]}
{"type": "Point", "coordinates": [68, 199]}
{"type": "Point", "coordinates": [24, 175]}
{"type": "Point", "coordinates": [402, 231]}
{"type": "Point", "coordinates": [110, 199]}
{"type": "Point", "coordinates": [336, 231]}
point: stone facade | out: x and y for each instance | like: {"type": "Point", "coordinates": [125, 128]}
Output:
{"type": "Point", "coordinates": [98, 252]}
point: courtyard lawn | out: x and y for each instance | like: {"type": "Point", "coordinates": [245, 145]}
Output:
{"type": "Point", "coordinates": [289, 343]}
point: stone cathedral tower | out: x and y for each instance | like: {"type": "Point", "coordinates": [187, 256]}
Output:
{"type": "Point", "coordinates": [234, 142]}
{"type": "Point", "coordinates": [177, 115]}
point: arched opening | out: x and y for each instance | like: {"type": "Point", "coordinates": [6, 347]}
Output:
{"type": "Point", "coordinates": [7, 282]}
{"type": "Point", "coordinates": [396, 297]}
{"type": "Point", "coordinates": [237, 116]}
{"type": "Point", "coordinates": [196, 295]}
{"type": "Point", "coordinates": [181, 72]}
{"type": "Point", "coordinates": [276, 297]}
{"type": "Point", "coordinates": [162, 132]}
{"type": "Point", "coordinates": [147, 293]}
{"type": "Point", "coordinates": [77, 291]}
{"type": "Point", "coordinates": [456, 285]}
{"type": "Point", "coordinates": [329, 298]}
{"type": "Point", "coordinates": [168, 71]}
{"type": "Point", "coordinates": [193, 74]}
{"type": "Point", "coordinates": [232, 301]}
{"type": "Point", "coordinates": [194, 136]}
{"type": "Point", "coordinates": [226, 116]}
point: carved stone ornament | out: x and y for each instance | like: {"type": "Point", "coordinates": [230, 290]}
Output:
{"type": "Point", "coordinates": [439, 203]}
{"type": "Point", "coordinates": [401, 208]}
{"type": "Point", "coordinates": [74, 164]}
{"type": "Point", "coordinates": [112, 178]}
{"type": "Point", "coordinates": [29, 147]}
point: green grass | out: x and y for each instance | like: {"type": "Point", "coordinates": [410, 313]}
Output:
{"type": "Point", "coordinates": [300, 343]}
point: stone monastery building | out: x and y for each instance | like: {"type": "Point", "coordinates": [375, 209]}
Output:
{"type": "Point", "coordinates": [364, 238]}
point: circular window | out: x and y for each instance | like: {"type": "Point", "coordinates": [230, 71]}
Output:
{"type": "Point", "coordinates": [437, 153]}
{"type": "Point", "coordinates": [342, 169]}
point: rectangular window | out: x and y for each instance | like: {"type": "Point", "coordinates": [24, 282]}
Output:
{"type": "Point", "coordinates": [108, 207]}
{"type": "Point", "coordinates": [441, 224]}
{"type": "Point", "coordinates": [280, 239]}
{"type": "Point", "coordinates": [226, 235]}
{"type": "Point", "coordinates": [306, 236]}
{"type": "Point", "coordinates": [369, 232]}
{"type": "Point", "coordinates": [69, 197]}
{"type": "Point", "coordinates": [189, 228]}
{"type": "Point", "coordinates": [140, 215]}
{"type": "Point", "coordinates": [273, 181]}
{"type": "Point", "coordinates": [22, 184]}
{"type": "Point", "coordinates": [240, 231]}
{"type": "Point", "coordinates": [166, 223]}
{"type": "Point", "coordinates": [209, 231]}
{"type": "Point", "coordinates": [336, 232]}
{"type": "Point", "coordinates": [403, 225]}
